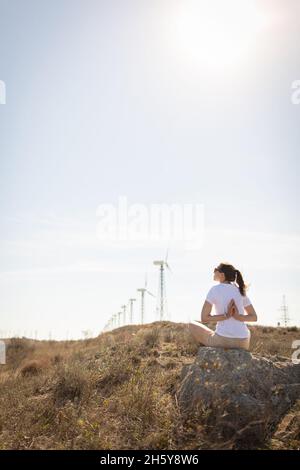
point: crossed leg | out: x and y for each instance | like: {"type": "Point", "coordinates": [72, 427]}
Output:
{"type": "Point", "coordinates": [200, 332]}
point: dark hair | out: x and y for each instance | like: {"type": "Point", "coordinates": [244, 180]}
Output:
{"type": "Point", "coordinates": [233, 275]}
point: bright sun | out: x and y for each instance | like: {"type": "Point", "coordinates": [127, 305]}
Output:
{"type": "Point", "coordinates": [216, 32]}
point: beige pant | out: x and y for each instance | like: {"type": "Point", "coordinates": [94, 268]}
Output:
{"type": "Point", "coordinates": [208, 337]}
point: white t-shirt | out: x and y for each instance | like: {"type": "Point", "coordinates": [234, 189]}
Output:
{"type": "Point", "coordinates": [220, 296]}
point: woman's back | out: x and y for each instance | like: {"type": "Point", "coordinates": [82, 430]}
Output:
{"type": "Point", "coordinates": [220, 295]}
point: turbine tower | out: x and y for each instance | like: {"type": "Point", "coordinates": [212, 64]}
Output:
{"type": "Point", "coordinates": [110, 324]}
{"type": "Point", "coordinates": [162, 298]}
{"type": "Point", "coordinates": [119, 318]}
{"type": "Point", "coordinates": [124, 314]}
{"type": "Point", "coordinates": [131, 310]}
{"type": "Point", "coordinates": [284, 309]}
{"type": "Point", "coordinates": [144, 290]}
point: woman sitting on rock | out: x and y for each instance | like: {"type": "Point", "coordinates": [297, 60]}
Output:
{"type": "Point", "coordinates": [232, 309]}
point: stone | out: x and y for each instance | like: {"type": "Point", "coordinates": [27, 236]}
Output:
{"type": "Point", "coordinates": [241, 395]}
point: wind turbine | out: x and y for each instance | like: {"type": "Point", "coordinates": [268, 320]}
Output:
{"type": "Point", "coordinates": [131, 310]}
{"type": "Point", "coordinates": [144, 290]}
{"type": "Point", "coordinates": [108, 325]}
{"type": "Point", "coordinates": [162, 299]}
{"type": "Point", "coordinates": [119, 318]}
{"type": "Point", "coordinates": [124, 314]}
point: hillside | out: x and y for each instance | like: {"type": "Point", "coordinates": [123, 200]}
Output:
{"type": "Point", "coordinates": [117, 391]}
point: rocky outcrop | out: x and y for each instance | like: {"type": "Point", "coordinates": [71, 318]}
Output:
{"type": "Point", "coordinates": [241, 395]}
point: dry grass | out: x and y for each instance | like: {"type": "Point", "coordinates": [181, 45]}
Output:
{"type": "Point", "coordinates": [116, 391]}
{"type": "Point", "coordinates": [33, 367]}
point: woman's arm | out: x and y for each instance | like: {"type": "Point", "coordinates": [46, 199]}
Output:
{"type": "Point", "coordinates": [250, 316]}
{"type": "Point", "coordinates": [206, 316]}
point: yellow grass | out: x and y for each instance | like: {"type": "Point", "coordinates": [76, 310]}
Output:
{"type": "Point", "coordinates": [116, 391]}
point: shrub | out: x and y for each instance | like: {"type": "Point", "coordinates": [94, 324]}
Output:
{"type": "Point", "coordinates": [168, 336]}
{"type": "Point", "coordinates": [151, 337]}
{"type": "Point", "coordinates": [185, 343]}
{"type": "Point", "coordinates": [265, 329]}
{"type": "Point", "coordinates": [57, 359]}
{"type": "Point", "coordinates": [17, 350]}
{"type": "Point", "coordinates": [292, 329]}
{"type": "Point", "coordinates": [72, 384]}
{"type": "Point", "coordinates": [31, 368]}
{"type": "Point", "coordinates": [116, 370]}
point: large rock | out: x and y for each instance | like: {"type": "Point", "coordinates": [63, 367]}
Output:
{"type": "Point", "coordinates": [242, 396]}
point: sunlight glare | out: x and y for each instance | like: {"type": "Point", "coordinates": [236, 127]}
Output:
{"type": "Point", "coordinates": [217, 32]}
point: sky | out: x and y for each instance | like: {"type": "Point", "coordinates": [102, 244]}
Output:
{"type": "Point", "coordinates": [161, 102]}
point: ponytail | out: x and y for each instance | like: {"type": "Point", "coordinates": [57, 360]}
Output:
{"type": "Point", "coordinates": [240, 282]}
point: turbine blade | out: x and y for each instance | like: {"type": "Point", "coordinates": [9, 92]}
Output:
{"type": "Point", "coordinates": [150, 293]}
{"type": "Point", "coordinates": [167, 254]}
{"type": "Point", "coordinates": [168, 267]}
